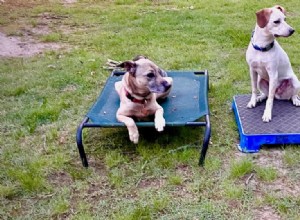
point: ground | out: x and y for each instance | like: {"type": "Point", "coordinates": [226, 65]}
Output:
{"type": "Point", "coordinates": [272, 177]}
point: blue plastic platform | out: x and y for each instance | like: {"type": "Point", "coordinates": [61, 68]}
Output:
{"type": "Point", "coordinates": [284, 127]}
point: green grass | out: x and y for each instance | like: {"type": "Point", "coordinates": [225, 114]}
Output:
{"type": "Point", "coordinates": [266, 173]}
{"type": "Point", "coordinates": [241, 168]}
{"type": "Point", "coordinates": [53, 37]}
{"type": "Point", "coordinates": [44, 98]}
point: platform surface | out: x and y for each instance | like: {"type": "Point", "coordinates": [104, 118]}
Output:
{"type": "Point", "coordinates": [284, 128]}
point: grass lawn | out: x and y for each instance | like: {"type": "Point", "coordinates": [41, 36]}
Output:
{"type": "Point", "coordinates": [44, 97]}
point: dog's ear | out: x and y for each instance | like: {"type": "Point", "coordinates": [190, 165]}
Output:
{"type": "Point", "coordinates": [130, 66]}
{"type": "Point", "coordinates": [138, 57]}
{"type": "Point", "coordinates": [280, 8]}
{"type": "Point", "coordinates": [263, 16]}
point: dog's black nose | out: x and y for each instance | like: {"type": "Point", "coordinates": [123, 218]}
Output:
{"type": "Point", "coordinates": [166, 85]}
{"type": "Point", "coordinates": [292, 31]}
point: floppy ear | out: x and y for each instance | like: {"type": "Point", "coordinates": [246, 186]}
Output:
{"type": "Point", "coordinates": [280, 8]}
{"type": "Point", "coordinates": [262, 17]}
{"type": "Point", "coordinates": [130, 66]}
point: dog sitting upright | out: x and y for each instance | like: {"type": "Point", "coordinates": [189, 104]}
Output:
{"type": "Point", "coordinates": [270, 68]}
{"type": "Point", "coordinates": [142, 84]}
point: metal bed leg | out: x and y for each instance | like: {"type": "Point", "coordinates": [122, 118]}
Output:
{"type": "Point", "coordinates": [80, 144]}
{"type": "Point", "coordinates": [205, 141]}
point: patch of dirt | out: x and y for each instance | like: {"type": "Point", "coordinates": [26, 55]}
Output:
{"type": "Point", "coordinates": [60, 179]}
{"type": "Point", "coordinates": [98, 191]}
{"type": "Point", "coordinates": [266, 213]}
{"type": "Point", "coordinates": [272, 157]}
{"type": "Point", "coordinates": [97, 165]}
{"type": "Point", "coordinates": [185, 171]}
{"type": "Point", "coordinates": [69, 1]}
{"type": "Point", "coordinates": [28, 44]}
{"type": "Point", "coordinates": [70, 88]}
{"type": "Point", "coordinates": [15, 47]}
{"type": "Point", "coordinates": [153, 183]}
{"type": "Point", "coordinates": [19, 3]}
{"type": "Point", "coordinates": [184, 193]}
{"type": "Point", "coordinates": [282, 186]}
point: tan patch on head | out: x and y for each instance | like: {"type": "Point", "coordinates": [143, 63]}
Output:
{"type": "Point", "coordinates": [280, 8]}
{"type": "Point", "coordinates": [263, 17]}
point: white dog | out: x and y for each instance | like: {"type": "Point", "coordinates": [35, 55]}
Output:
{"type": "Point", "coordinates": [270, 67]}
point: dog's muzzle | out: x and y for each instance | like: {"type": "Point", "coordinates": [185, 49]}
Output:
{"type": "Point", "coordinates": [291, 31]}
{"type": "Point", "coordinates": [160, 88]}
{"type": "Point", "coordinates": [166, 85]}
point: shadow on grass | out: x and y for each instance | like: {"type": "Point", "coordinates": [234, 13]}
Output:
{"type": "Point", "coordinates": [99, 142]}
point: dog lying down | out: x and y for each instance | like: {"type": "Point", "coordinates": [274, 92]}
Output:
{"type": "Point", "coordinates": [270, 67]}
{"type": "Point", "coordinates": [142, 84]}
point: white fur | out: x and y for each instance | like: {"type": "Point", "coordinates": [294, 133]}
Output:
{"type": "Point", "coordinates": [269, 69]}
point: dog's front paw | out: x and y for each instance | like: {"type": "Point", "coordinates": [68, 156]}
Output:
{"type": "Point", "coordinates": [160, 123]}
{"type": "Point", "coordinates": [296, 100]}
{"type": "Point", "coordinates": [267, 116]}
{"type": "Point", "coordinates": [134, 137]}
{"type": "Point", "coordinates": [251, 104]}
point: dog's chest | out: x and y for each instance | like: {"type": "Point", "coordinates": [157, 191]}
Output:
{"type": "Point", "coordinates": [141, 110]}
{"type": "Point", "coordinates": [259, 66]}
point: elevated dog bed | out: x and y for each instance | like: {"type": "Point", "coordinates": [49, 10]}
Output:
{"type": "Point", "coordinates": [186, 105]}
{"type": "Point", "coordinates": [284, 127]}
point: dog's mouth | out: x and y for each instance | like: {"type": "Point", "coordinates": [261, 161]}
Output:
{"type": "Point", "coordinates": [160, 89]}
{"type": "Point", "coordinates": [157, 90]}
{"type": "Point", "coordinates": [277, 35]}
{"type": "Point", "coordinates": [285, 35]}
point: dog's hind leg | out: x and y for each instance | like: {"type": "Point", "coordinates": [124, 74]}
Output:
{"type": "Point", "coordinates": [295, 97]}
{"type": "Point", "coordinates": [252, 102]}
{"type": "Point", "coordinates": [296, 100]}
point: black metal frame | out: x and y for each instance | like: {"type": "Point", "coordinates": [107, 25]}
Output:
{"type": "Point", "coordinates": [207, 134]}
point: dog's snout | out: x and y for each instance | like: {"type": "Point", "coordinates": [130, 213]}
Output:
{"type": "Point", "coordinates": [166, 85]}
{"type": "Point", "coordinates": [291, 31]}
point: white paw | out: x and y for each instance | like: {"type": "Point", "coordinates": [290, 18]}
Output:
{"type": "Point", "coordinates": [296, 100]}
{"type": "Point", "coordinates": [267, 116]}
{"type": "Point", "coordinates": [134, 137]}
{"type": "Point", "coordinates": [251, 104]}
{"type": "Point", "coordinates": [253, 101]}
{"type": "Point", "coordinates": [261, 98]}
{"type": "Point", "coordinates": [160, 123]}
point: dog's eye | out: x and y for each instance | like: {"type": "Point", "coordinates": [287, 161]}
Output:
{"type": "Point", "coordinates": [150, 75]}
{"type": "Point", "coordinates": [277, 22]}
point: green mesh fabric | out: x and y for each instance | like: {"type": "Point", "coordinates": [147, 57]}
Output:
{"type": "Point", "coordinates": [187, 102]}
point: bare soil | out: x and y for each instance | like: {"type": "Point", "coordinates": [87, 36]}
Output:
{"type": "Point", "coordinates": [29, 45]}
{"type": "Point", "coordinates": [11, 46]}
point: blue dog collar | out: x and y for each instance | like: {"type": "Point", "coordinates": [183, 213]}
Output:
{"type": "Point", "coordinates": [262, 49]}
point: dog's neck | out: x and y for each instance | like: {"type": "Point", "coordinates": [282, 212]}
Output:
{"type": "Point", "coordinates": [133, 91]}
{"type": "Point", "coordinates": [262, 40]}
